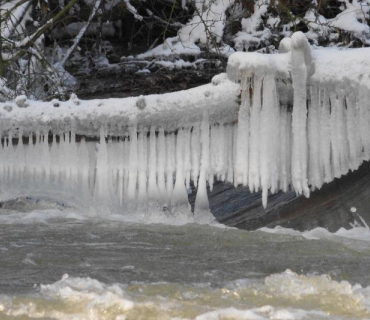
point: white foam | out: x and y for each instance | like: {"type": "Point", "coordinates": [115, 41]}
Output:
{"type": "Point", "coordinates": [40, 216]}
{"type": "Point", "coordinates": [265, 312]}
{"type": "Point", "coordinates": [285, 295]}
{"type": "Point", "coordinates": [355, 233]}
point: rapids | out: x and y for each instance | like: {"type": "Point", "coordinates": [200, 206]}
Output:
{"type": "Point", "coordinates": [59, 263]}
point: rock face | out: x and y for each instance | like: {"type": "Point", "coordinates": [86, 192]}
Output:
{"type": "Point", "coordinates": [341, 203]}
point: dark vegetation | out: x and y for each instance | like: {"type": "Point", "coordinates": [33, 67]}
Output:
{"type": "Point", "coordinates": [103, 63]}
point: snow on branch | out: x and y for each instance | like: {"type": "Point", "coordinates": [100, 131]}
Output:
{"type": "Point", "coordinates": [80, 35]}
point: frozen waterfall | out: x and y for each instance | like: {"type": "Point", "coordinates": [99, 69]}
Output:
{"type": "Point", "coordinates": [302, 120]}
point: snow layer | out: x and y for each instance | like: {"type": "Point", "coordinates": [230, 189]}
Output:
{"type": "Point", "coordinates": [205, 29]}
{"type": "Point", "coordinates": [170, 111]}
{"type": "Point", "coordinates": [348, 69]}
{"type": "Point", "coordinates": [208, 21]}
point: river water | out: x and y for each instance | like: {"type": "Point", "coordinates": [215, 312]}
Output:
{"type": "Point", "coordinates": [59, 264]}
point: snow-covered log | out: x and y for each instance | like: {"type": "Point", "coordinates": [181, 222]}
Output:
{"type": "Point", "coordinates": [303, 120]}
{"type": "Point", "coordinates": [170, 111]}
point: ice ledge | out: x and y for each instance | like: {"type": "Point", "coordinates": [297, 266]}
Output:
{"type": "Point", "coordinates": [170, 111]}
{"type": "Point", "coordinates": [348, 69]}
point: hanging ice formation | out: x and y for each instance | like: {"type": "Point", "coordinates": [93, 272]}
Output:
{"type": "Point", "coordinates": [303, 120]}
{"type": "Point", "coordinates": [304, 117]}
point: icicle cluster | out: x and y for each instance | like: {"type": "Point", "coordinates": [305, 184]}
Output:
{"type": "Point", "coordinates": [324, 135]}
{"type": "Point", "coordinates": [151, 169]}
{"type": "Point", "coordinates": [298, 136]}
{"type": "Point", "coordinates": [268, 149]}
{"type": "Point", "coordinates": [280, 141]}
{"type": "Point", "coordinates": [143, 171]}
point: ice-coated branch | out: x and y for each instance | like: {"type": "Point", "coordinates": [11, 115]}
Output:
{"type": "Point", "coordinates": [302, 67]}
{"type": "Point", "coordinates": [80, 34]}
{"type": "Point", "coordinates": [28, 41]}
{"type": "Point", "coordinates": [133, 10]}
{"type": "Point", "coordinates": [301, 47]}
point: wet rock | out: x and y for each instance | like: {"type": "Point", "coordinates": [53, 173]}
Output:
{"type": "Point", "coordinates": [341, 203]}
{"type": "Point", "coordinates": [27, 204]}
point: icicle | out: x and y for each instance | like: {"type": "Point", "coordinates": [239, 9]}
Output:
{"type": "Point", "coordinates": [73, 161]}
{"type": "Point", "coordinates": [31, 159]}
{"type": "Point", "coordinates": [314, 136]}
{"type": "Point", "coordinates": [2, 158]}
{"type": "Point", "coordinates": [284, 148]}
{"type": "Point", "coordinates": [195, 154]}
{"type": "Point", "coordinates": [289, 148]}
{"type": "Point", "coordinates": [334, 123]}
{"type": "Point", "coordinates": [254, 163]}
{"type": "Point", "coordinates": [120, 169]}
{"type": "Point", "coordinates": [54, 167]}
{"type": "Point", "coordinates": [221, 154]}
{"type": "Point", "coordinates": [325, 138]}
{"type": "Point", "coordinates": [180, 196]}
{"type": "Point", "coordinates": [142, 171]}
{"type": "Point", "coordinates": [229, 153]}
{"type": "Point", "coordinates": [342, 133]}
{"type": "Point", "coordinates": [62, 158]}
{"type": "Point", "coordinates": [242, 143]}
{"type": "Point", "coordinates": [103, 191]}
{"type": "Point", "coordinates": [132, 171]}
{"type": "Point", "coordinates": [112, 158]}
{"type": "Point", "coordinates": [354, 138]}
{"type": "Point", "coordinates": [299, 152]}
{"type": "Point", "coordinates": [161, 166]}
{"type": "Point", "coordinates": [126, 167]}
{"type": "Point", "coordinates": [45, 157]}
{"type": "Point", "coordinates": [275, 137]}
{"type": "Point", "coordinates": [153, 192]}
{"type": "Point", "coordinates": [214, 140]}
{"type": "Point", "coordinates": [83, 168]}
{"type": "Point", "coordinates": [235, 139]}
{"type": "Point", "coordinates": [269, 134]}
{"type": "Point", "coordinates": [20, 157]}
{"type": "Point", "coordinates": [10, 164]}
{"type": "Point", "coordinates": [187, 157]}
{"type": "Point", "coordinates": [364, 122]}
{"type": "Point", "coordinates": [170, 165]}
{"type": "Point", "coordinates": [201, 208]}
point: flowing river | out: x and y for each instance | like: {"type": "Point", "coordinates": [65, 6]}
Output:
{"type": "Point", "coordinates": [59, 264]}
